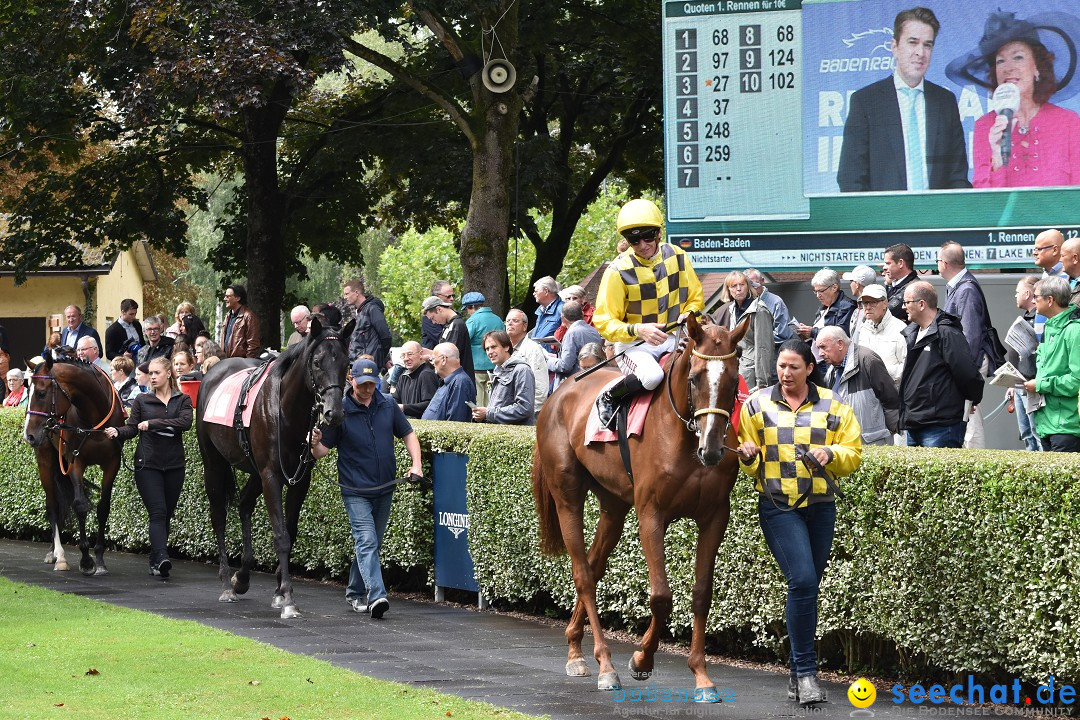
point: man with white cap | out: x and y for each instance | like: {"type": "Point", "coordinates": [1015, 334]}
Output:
{"type": "Point", "coordinates": [859, 278]}
{"type": "Point", "coordinates": [882, 331]}
{"type": "Point", "coordinates": [366, 471]}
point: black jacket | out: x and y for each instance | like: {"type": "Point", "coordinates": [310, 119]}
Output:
{"type": "Point", "coordinates": [116, 339]}
{"type": "Point", "coordinates": [457, 332]}
{"type": "Point", "coordinates": [896, 296]}
{"type": "Point", "coordinates": [939, 375]}
{"type": "Point", "coordinates": [371, 336]}
{"type": "Point", "coordinates": [162, 446]}
{"type": "Point", "coordinates": [838, 314]}
{"type": "Point", "coordinates": [415, 389]}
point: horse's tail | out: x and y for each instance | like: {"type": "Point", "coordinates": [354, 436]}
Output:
{"type": "Point", "coordinates": [551, 539]}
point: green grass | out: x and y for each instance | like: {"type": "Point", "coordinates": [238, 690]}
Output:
{"type": "Point", "coordinates": [147, 666]}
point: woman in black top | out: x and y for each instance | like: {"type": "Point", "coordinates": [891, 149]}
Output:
{"type": "Point", "coordinates": [160, 418]}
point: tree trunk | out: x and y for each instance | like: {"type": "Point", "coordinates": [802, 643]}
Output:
{"type": "Point", "coordinates": [266, 217]}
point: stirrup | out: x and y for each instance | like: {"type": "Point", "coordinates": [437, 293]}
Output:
{"type": "Point", "coordinates": [606, 410]}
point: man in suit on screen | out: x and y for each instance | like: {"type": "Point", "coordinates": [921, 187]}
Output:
{"type": "Point", "coordinates": [903, 132]}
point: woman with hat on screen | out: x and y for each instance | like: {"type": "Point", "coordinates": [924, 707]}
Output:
{"type": "Point", "coordinates": [1045, 138]}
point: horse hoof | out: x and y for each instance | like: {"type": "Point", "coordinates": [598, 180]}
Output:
{"type": "Point", "coordinates": [101, 570]}
{"type": "Point", "coordinates": [87, 570]}
{"type": "Point", "coordinates": [707, 695]}
{"type": "Point", "coordinates": [238, 586]}
{"type": "Point", "coordinates": [278, 602]}
{"type": "Point", "coordinates": [61, 566]}
{"type": "Point", "coordinates": [577, 668]}
{"type": "Point", "coordinates": [608, 681]}
{"type": "Point", "coordinates": [227, 597]}
{"type": "Point", "coordinates": [638, 674]}
{"type": "Point", "coordinates": [50, 558]}
{"type": "Point", "coordinates": [290, 611]}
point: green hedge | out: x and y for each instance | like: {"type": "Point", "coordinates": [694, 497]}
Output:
{"type": "Point", "coordinates": [963, 560]}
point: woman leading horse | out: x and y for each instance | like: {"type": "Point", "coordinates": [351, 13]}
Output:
{"type": "Point", "coordinates": [683, 467]}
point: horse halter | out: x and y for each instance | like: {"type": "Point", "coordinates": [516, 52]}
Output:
{"type": "Point", "coordinates": [54, 422]}
{"type": "Point", "coordinates": [306, 459]}
{"type": "Point", "coordinates": [691, 421]}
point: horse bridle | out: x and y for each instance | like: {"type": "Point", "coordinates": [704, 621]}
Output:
{"type": "Point", "coordinates": [306, 458]}
{"type": "Point", "coordinates": [54, 422]}
{"type": "Point", "coordinates": [691, 422]}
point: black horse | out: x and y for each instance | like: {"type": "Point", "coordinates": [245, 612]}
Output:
{"type": "Point", "coordinates": [303, 388]}
{"type": "Point", "coordinates": [71, 403]}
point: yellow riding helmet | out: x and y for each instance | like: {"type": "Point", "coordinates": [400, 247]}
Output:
{"type": "Point", "coordinates": [639, 213]}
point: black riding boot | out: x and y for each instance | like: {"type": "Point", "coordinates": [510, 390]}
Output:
{"type": "Point", "coordinates": [605, 404]}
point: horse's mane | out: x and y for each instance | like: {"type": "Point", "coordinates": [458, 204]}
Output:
{"type": "Point", "coordinates": [295, 352]}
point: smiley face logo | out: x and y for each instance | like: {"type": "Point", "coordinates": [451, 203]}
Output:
{"type": "Point", "coordinates": [862, 693]}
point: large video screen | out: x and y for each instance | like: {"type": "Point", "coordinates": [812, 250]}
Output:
{"type": "Point", "coordinates": [804, 134]}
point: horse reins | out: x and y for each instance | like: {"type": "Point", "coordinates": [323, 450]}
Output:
{"type": "Point", "coordinates": [691, 421]}
{"type": "Point", "coordinates": [306, 458]}
{"type": "Point", "coordinates": [55, 423]}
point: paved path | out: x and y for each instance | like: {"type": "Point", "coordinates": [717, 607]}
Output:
{"type": "Point", "coordinates": [506, 661]}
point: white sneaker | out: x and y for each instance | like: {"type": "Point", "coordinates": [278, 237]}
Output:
{"type": "Point", "coordinates": [358, 605]}
{"type": "Point", "coordinates": [379, 608]}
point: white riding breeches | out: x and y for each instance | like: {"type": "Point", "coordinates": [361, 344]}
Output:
{"type": "Point", "coordinates": [641, 360]}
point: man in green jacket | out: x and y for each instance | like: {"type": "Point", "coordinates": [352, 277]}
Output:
{"type": "Point", "coordinates": [1057, 364]}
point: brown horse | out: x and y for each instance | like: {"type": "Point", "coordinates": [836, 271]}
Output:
{"type": "Point", "coordinates": [71, 402]}
{"type": "Point", "coordinates": [683, 466]}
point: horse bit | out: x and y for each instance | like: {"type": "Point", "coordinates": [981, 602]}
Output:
{"type": "Point", "coordinates": [691, 422]}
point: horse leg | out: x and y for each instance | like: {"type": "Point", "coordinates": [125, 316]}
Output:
{"type": "Point", "coordinates": [241, 579]}
{"type": "Point", "coordinates": [217, 479]}
{"type": "Point", "coordinates": [652, 529]}
{"type": "Point", "coordinates": [608, 532]}
{"type": "Point", "coordinates": [283, 598]}
{"type": "Point", "coordinates": [573, 532]}
{"type": "Point", "coordinates": [294, 501]}
{"type": "Point", "coordinates": [108, 475]}
{"type": "Point", "coordinates": [710, 535]}
{"type": "Point", "coordinates": [82, 507]}
{"type": "Point", "coordinates": [54, 510]}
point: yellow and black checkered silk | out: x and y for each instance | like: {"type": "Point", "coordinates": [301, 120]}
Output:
{"type": "Point", "coordinates": [821, 421]}
{"type": "Point", "coordinates": [657, 290]}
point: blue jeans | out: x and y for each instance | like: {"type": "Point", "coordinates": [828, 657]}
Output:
{"type": "Point", "coordinates": [368, 517]}
{"type": "Point", "coordinates": [1028, 436]}
{"type": "Point", "coordinates": [939, 436]}
{"type": "Point", "coordinates": [800, 541]}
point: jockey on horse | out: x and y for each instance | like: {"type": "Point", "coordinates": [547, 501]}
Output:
{"type": "Point", "coordinates": [650, 285]}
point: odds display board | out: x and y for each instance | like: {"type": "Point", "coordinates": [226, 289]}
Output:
{"type": "Point", "coordinates": [786, 149]}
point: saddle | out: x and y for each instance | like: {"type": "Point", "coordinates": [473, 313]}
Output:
{"type": "Point", "coordinates": [232, 400]}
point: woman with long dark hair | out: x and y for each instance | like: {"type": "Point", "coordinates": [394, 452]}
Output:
{"type": "Point", "coordinates": [159, 417]}
{"type": "Point", "coordinates": [795, 437]}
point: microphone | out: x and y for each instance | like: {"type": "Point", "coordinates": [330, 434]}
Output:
{"type": "Point", "coordinates": [1006, 101]}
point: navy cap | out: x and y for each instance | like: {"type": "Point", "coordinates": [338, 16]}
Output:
{"type": "Point", "coordinates": [364, 370]}
{"type": "Point", "coordinates": [473, 298]}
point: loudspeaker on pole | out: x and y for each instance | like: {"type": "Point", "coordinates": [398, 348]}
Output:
{"type": "Point", "coordinates": [499, 76]}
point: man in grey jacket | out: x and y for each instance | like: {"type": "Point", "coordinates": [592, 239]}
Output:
{"type": "Point", "coordinates": [578, 334]}
{"type": "Point", "coordinates": [858, 377]}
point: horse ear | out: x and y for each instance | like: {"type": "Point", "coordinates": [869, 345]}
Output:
{"type": "Point", "coordinates": [315, 328]}
{"type": "Point", "coordinates": [740, 329]}
{"type": "Point", "coordinates": [347, 331]}
{"type": "Point", "coordinates": [693, 328]}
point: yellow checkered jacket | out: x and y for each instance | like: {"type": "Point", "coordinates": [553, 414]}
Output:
{"type": "Point", "coordinates": [656, 290]}
{"type": "Point", "coordinates": [822, 421]}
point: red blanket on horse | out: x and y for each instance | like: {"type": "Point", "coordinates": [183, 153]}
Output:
{"type": "Point", "coordinates": [221, 406]}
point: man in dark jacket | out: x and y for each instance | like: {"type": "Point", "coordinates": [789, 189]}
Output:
{"type": "Point", "coordinates": [366, 470]}
{"type": "Point", "coordinates": [157, 345]}
{"type": "Point", "coordinates": [455, 331]}
{"type": "Point", "coordinates": [964, 298]}
{"type": "Point", "coordinates": [74, 330]}
{"type": "Point", "coordinates": [371, 335]}
{"type": "Point", "coordinates": [939, 374]}
{"type": "Point", "coordinates": [899, 271]}
{"type": "Point", "coordinates": [417, 385]}
{"type": "Point", "coordinates": [240, 331]}
{"type": "Point", "coordinates": [124, 331]}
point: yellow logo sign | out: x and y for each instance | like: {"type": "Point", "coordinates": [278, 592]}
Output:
{"type": "Point", "coordinates": [862, 693]}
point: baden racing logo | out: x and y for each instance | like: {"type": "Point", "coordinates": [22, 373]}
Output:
{"type": "Point", "coordinates": [456, 523]}
{"type": "Point", "coordinates": [870, 50]}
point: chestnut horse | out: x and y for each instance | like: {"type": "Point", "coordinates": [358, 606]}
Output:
{"type": "Point", "coordinates": [71, 402]}
{"type": "Point", "coordinates": [683, 466]}
{"type": "Point", "coordinates": [305, 387]}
